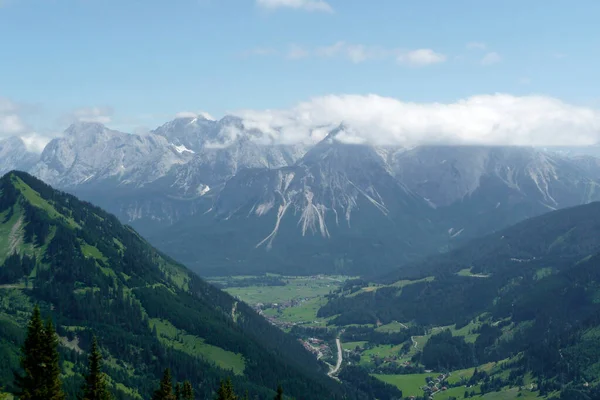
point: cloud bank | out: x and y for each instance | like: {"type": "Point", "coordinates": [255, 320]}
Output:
{"type": "Point", "coordinates": [308, 5]}
{"type": "Point", "coordinates": [359, 53]}
{"type": "Point", "coordinates": [498, 119]}
{"type": "Point", "coordinates": [12, 124]}
{"type": "Point", "coordinates": [102, 115]}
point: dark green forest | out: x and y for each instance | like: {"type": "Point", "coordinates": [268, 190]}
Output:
{"type": "Point", "coordinates": [535, 287]}
{"type": "Point", "coordinates": [98, 278]}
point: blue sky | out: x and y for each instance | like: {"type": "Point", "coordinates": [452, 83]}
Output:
{"type": "Point", "coordinates": [137, 63]}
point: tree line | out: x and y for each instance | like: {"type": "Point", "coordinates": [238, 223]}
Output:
{"type": "Point", "coordinates": [40, 378]}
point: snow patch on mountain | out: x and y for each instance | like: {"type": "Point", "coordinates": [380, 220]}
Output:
{"type": "Point", "coordinates": [182, 149]}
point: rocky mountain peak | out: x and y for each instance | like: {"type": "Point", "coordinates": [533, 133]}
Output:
{"type": "Point", "coordinates": [14, 155]}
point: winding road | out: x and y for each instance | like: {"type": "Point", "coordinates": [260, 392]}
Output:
{"type": "Point", "coordinates": [414, 341]}
{"type": "Point", "coordinates": [338, 365]}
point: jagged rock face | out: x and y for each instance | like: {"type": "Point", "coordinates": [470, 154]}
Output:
{"type": "Point", "coordinates": [329, 212]}
{"type": "Point", "coordinates": [477, 190]}
{"type": "Point", "coordinates": [90, 152]}
{"type": "Point", "coordinates": [329, 182]}
{"type": "Point", "coordinates": [150, 179]}
{"type": "Point", "coordinates": [446, 175]}
{"type": "Point", "coordinates": [221, 149]}
{"type": "Point", "coordinates": [15, 156]}
{"type": "Point", "coordinates": [260, 200]}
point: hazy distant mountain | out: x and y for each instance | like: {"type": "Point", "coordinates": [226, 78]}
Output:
{"type": "Point", "coordinates": [90, 153]}
{"type": "Point", "coordinates": [268, 206]}
{"type": "Point", "coordinates": [337, 210]}
{"type": "Point", "coordinates": [14, 155]}
{"type": "Point", "coordinates": [480, 189]}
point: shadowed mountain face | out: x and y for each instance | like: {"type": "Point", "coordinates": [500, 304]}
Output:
{"type": "Point", "coordinates": [337, 210]}
{"type": "Point", "coordinates": [98, 277]}
{"type": "Point", "coordinates": [536, 283]}
{"type": "Point", "coordinates": [263, 206]}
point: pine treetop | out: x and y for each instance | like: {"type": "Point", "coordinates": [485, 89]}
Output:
{"type": "Point", "coordinates": [165, 391]}
{"type": "Point", "coordinates": [95, 387]}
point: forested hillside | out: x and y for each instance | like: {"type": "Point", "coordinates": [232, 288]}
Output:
{"type": "Point", "coordinates": [530, 293]}
{"type": "Point", "coordinates": [94, 276]}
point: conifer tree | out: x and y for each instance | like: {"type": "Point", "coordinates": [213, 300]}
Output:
{"type": "Point", "coordinates": [188, 391]}
{"type": "Point", "coordinates": [226, 391]}
{"type": "Point", "coordinates": [40, 362]}
{"type": "Point", "coordinates": [30, 384]}
{"type": "Point", "coordinates": [52, 361]}
{"type": "Point", "coordinates": [178, 391]}
{"type": "Point", "coordinates": [279, 395]}
{"type": "Point", "coordinates": [165, 391]}
{"type": "Point", "coordinates": [95, 381]}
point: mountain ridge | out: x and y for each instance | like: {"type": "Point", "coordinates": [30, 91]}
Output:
{"type": "Point", "coordinates": [194, 174]}
{"type": "Point", "coordinates": [146, 309]}
{"type": "Point", "coordinates": [530, 293]}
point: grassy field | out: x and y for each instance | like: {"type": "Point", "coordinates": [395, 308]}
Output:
{"type": "Point", "coordinates": [456, 376]}
{"type": "Point", "coordinates": [305, 313]}
{"type": "Point", "coordinates": [295, 288]}
{"type": "Point", "coordinates": [512, 393]}
{"type": "Point", "coordinates": [465, 331]}
{"type": "Point", "coordinates": [308, 294]}
{"type": "Point", "coordinates": [467, 272]}
{"type": "Point", "coordinates": [409, 384]}
{"type": "Point", "coordinates": [196, 346]}
{"type": "Point", "coordinates": [352, 345]}
{"type": "Point", "coordinates": [381, 351]}
{"type": "Point", "coordinates": [391, 327]}
{"type": "Point", "coordinates": [7, 241]}
{"type": "Point", "coordinates": [36, 200]}
{"type": "Point", "coordinates": [399, 284]}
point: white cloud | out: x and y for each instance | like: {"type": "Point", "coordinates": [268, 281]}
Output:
{"type": "Point", "coordinates": [358, 53]}
{"type": "Point", "coordinates": [491, 58]}
{"type": "Point", "coordinates": [11, 125]}
{"type": "Point", "coordinates": [308, 5]}
{"type": "Point", "coordinates": [35, 142]}
{"type": "Point", "coordinates": [296, 52]}
{"type": "Point", "coordinates": [499, 119]}
{"type": "Point", "coordinates": [476, 46]}
{"type": "Point", "coordinates": [421, 58]}
{"type": "Point", "coordinates": [102, 115]}
{"type": "Point", "coordinates": [195, 114]}
{"type": "Point", "coordinates": [11, 122]}
{"type": "Point", "coordinates": [258, 51]}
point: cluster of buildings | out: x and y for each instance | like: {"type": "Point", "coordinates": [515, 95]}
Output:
{"type": "Point", "coordinates": [316, 346]}
{"type": "Point", "coordinates": [435, 385]}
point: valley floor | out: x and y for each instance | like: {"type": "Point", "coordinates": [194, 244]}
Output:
{"type": "Point", "coordinates": [292, 303]}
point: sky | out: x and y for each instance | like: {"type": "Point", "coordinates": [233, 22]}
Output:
{"type": "Point", "coordinates": [466, 71]}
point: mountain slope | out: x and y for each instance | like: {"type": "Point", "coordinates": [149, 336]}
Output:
{"type": "Point", "coordinates": [156, 179]}
{"type": "Point", "coordinates": [91, 153]}
{"type": "Point", "coordinates": [14, 155]}
{"type": "Point", "coordinates": [537, 285]}
{"type": "Point", "coordinates": [478, 190]}
{"type": "Point", "coordinates": [101, 278]}
{"type": "Point", "coordinates": [350, 208]}
{"type": "Point", "coordinates": [337, 210]}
